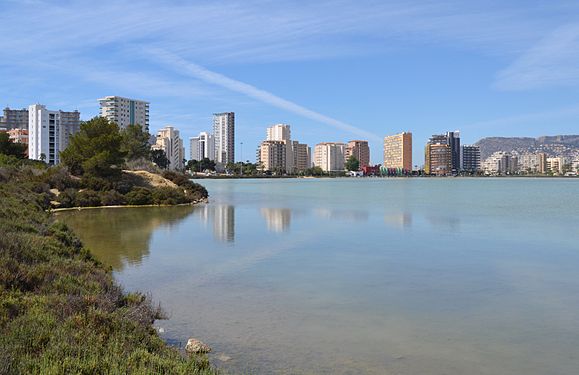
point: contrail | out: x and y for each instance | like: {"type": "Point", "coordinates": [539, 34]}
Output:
{"type": "Point", "coordinates": [183, 66]}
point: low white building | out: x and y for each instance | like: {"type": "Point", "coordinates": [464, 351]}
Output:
{"type": "Point", "coordinates": [501, 163]}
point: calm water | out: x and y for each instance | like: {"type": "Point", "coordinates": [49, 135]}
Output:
{"type": "Point", "coordinates": [349, 276]}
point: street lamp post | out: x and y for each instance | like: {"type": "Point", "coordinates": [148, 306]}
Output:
{"type": "Point", "coordinates": [241, 164]}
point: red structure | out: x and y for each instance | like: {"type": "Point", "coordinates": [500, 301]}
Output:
{"type": "Point", "coordinates": [369, 170]}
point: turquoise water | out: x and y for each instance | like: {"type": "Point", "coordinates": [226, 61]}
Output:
{"type": "Point", "coordinates": [349, 276]}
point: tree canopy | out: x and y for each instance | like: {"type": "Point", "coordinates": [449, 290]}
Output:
{"type": "Point", "coordinates": [135, 142]}
{"type": "Point", "coordinates": [158, 157]}
{"type": "Point", "coordinates": [9, 147]}
{"type": "Point", "coordinates": [352, 164]}
{"type": "Point", "coordinates": [201, 165]}
{"type": "Point", "coordinates": [95, 150]}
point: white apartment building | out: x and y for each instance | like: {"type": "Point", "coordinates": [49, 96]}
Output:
{"type": "Point", "coordinates": [330, 156]}
{"type": "Point", "coordinates": [202, 146]}
{"type": "Point", "coordinates": [556, 165]}
{"type": "Point", "coordinates": [125, 111]}
{"type": "Point", "coordinates": [169, 141]}
{"type": "Point", "coordinates": [49, 132]}
{"type": "Point", "coordinates": [224, 133]}
{"type": "Point", "coordinates": [501, 162]}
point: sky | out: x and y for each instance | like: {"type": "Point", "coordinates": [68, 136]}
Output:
{"type": "Point", "coordinates": [334, 70]}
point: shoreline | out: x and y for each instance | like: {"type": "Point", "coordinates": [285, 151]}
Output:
{"type": "Point", "coordinates": [51, 210]}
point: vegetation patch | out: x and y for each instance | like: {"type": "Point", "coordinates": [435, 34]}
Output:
{"type": "Point", "coordinates": [60, 310]}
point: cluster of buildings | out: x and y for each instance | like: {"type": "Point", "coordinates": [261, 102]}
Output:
{"type": "Point", "coordinates": [219, 145]}
{"type": "Point", "coordinates": [47, 133]}
{"type": "Point", "coordinates": [502, 162]}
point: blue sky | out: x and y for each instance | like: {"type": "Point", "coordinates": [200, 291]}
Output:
{"type": "Point", "coordinates": [334, 70]}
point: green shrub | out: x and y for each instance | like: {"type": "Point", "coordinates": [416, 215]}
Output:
{"type": "Point", "coordinates": [112, 198]}
{"type": "Point", "coordinates": [87, 198]}
{"type": "Point", "coordinates": [95, 183]}
{"type": "Point", "coordinates": [169, 196]}
{"type": "Point", "coordinates": [60, 310]}
{"type": "Point", "coordinates": [139, 196]}
{"type": "Point", "coordinates": [67, 198]}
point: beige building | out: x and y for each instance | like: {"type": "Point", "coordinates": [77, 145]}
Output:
{"type": "Point", "coordinates": [282, 133]}
{"type": "Point", "coordinates": [272, 156]}
{"type": "Point", "coordinates": [170, 142]}
{"type": "Point", "coordinates": [302, 154]}
{"type": "Point", "coordinates": [555, 165]}
{"type": "Point", "coordinates": [438, 159]}
{"type": "Point", "coordinates": [398, 151]}
{"type": "Point", "coordinates": [360, 150]}
{"type": "Point", "coordinates": [125, 111]}
{"type": "Point", "coordinates": [330, 156]}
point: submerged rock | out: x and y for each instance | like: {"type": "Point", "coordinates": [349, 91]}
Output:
{"type": "Point", "coordinates": [196, 346]}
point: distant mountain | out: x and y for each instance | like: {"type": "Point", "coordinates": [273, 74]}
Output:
{"type": "Point", "coordinates": [556, 145]}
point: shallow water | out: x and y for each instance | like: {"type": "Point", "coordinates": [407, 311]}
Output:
{"type": "Point", "coordinates": [349, 276]}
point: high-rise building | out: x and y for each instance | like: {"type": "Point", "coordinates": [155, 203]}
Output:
{"type": "Point", "coordinates": [202, 147]}
{"type": "Point", "coordinates": [224, 133]}
{"type": "Point", "coordinates": [302, 154]}
{"type": "Point", "coordinates": [330, 156]}
{"type": "Point", "coordinates": [49, 132]}
{"type": "Point", "coordinates": [360, 150]}
{"type": "Point", "coordinates": [470, 159]}
{"type": "Point", "coordinates": [542, 163]}
{"type": "Point", "coordinates": [169, 141]}
{"type": "Point", "coordinates": [125, 111]}
{"type": "Point", "coordinates": [453, 139]}
{"type": "Point", "coordinates": [398, 151]}
{"type": "Point", "coordinates": [14, 119]}
{"type": "Point", "coordinates": [272, 156]}
{"type": "Point", "coordinates": [438, 159]}
{"type": "Point", "coordinates": [282, 132]}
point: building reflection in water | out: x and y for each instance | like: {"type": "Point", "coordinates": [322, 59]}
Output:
{"type": "Point", "coordinates": [341, 214]}
{"type": "Point", "coordinates": [277, 219]}
{"type": "Point", "coordinates": [222, 216]}
{"type": "Point", "coordinates": [400, 220]}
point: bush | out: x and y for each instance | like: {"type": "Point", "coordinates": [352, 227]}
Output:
{"type": "Point", "coordinates": [60, 310]}
{"type": "Point", "coordinates": [59, 178]}
{"type": "Point", "coordinates": [95, 183]}
{"type": "Point", "coordinates": [112, 198]}
{"type": "Point", "coordinates": [87, 198]}
{"type": "Point", "coordinates": [169, 196]}
{"type": "Point", "coordinates": [67, 198]}
{"type": "Point", "coordinates": [139, 196]}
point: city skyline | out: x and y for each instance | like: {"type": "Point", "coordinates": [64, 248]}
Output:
{"type": "Point", "coordinates": [359, 71]}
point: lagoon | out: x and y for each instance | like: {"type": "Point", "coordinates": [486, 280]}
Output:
{"type": "Point", "coordinates": [349, 276]}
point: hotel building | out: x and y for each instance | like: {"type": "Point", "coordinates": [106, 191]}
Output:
{"type": "Point", "coordinates": [202, 146]}
{"type": "Point", "coordinates": [398, 151]}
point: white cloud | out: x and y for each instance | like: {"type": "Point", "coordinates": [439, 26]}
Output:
{"type": "Point", "coordinates": [553, 61]}
{"type": "Point", "coordinates": [193, 70]}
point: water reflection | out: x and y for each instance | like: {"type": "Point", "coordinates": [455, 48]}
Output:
{"type": "Point", "coordinates": [341, 214]}
{"type": "Point", "coordinates": [116, 247]}
{"type": "Point", "coordinates": [222, 217]}
{"type": "Point", "coordinates": [277, 219]}
{"type": "Point", "coordinates": [400, 220]}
